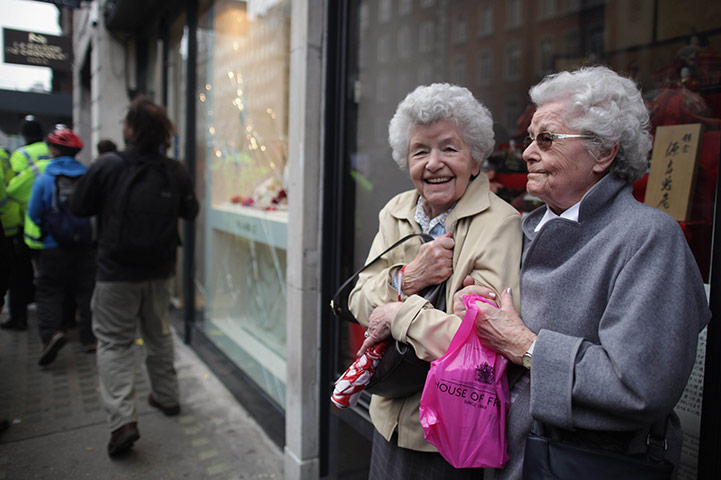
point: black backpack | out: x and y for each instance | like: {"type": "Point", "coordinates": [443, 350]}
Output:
{"type": "Point", "coordinates": [68, 230]}
{"type": "Point", "coordinates": [144, 229]}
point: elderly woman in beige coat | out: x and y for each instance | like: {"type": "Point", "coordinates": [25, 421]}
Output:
{"type": "Point", "coordinates": [441, 135]}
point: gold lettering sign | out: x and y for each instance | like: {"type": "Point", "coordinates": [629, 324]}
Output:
{"type": "Point", "coordinates": [672, 177]}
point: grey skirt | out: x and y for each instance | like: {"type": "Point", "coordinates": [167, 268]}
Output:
{"type": "Point", "coordinates": [391, 462]}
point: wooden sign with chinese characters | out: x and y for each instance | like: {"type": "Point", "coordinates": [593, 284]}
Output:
{"type": "Point", "coordinates": [673, 169]}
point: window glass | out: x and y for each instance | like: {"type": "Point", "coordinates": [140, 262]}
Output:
{"type": "Point", "coordinates": [485, 24]}
{"type": "Point", "coordinates": [670, 48]}
{"type": "Point", "coordinates": [242, 137]}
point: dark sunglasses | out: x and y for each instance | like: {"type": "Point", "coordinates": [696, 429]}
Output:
{"type": "Point", "coordinates": [544, 140]}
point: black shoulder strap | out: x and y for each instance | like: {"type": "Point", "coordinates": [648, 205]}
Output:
{"type": "Point", "coordinates": [339, 307]}
{"type": "Point", "coordinates": [656, 444]}
{"type": "Point", "coordinates": [56, 195]}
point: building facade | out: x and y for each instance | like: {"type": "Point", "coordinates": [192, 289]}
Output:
{"type": "Point", "coordinates": [282, 109]}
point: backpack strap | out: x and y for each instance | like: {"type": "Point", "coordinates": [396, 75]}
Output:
{"type": "Point", "coordinates": [56, 196]}
{"type": "Point", "coordinates": [339, 302]}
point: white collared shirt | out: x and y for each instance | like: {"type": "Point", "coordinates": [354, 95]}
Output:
{"type": "Point", "coordinates": [570, 214]}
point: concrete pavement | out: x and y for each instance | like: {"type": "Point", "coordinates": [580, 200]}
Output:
{"type": "Point", "coordinates": [59, 429]}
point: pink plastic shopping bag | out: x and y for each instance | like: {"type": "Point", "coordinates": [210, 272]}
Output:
{"type": "Point", "coordinates": [465, 399]}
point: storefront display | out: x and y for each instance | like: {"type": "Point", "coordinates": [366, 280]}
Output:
{"type": "Point", "coordinates": [242, 104]}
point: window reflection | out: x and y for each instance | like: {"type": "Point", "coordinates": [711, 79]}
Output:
{"type": "Point", "coordinates": [498, 50]}
{"type": "Point", "coordinates": [242, 132]}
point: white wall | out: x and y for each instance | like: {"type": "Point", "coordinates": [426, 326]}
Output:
{"type": "Point", "coordinates": [97, 110]}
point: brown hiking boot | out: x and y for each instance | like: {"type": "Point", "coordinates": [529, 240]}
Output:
{"type": "Point", "coordinates": [123, 438]}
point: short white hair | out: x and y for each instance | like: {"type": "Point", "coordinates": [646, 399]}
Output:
{"type": "Point", "coordinates": [602, 103]}
{"type": "Point", "coordinates": [437, 102]}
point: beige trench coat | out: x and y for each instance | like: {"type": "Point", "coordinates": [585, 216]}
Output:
{"type": "Point", "coordinates": [487, 232]}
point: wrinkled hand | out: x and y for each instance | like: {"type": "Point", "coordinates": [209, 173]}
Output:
{"type": "Point", "coordinates": [432, 265]}
{"type": "Point", "coordinates": [379, 325]}
{"type": "Point", "coordinates": [502, 328]}
{"type": "Point", "coordinates": [469, 288]}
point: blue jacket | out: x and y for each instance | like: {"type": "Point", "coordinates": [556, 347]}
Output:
{"type": "Point", "coordinates": [41, 198]}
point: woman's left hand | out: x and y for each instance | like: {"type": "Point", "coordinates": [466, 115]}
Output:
{"type": "Point", "coordinates": [502, 328]}
{"type": "Point", "coordinates": [379, 325]}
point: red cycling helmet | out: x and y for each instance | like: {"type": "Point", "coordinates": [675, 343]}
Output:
{"type": "Point", "coordinates": [64, 137]}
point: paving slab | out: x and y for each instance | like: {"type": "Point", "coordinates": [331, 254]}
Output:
{"type": "Point", "coordinates": [59, 428]}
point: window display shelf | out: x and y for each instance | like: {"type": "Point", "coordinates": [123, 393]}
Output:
{"type": "Point", "coordinates": [267, 226]}
{"type": "Point", "coordinates": [245, 339]}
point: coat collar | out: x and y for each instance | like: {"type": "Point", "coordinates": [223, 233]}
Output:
{"type": "Point", "coordinates": [595, 200]}
{"type": "Point", "coordinates": [474, 200]}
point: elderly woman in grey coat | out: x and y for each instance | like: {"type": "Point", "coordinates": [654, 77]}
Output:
{"type": "Point", "coordinates": [612, 300]}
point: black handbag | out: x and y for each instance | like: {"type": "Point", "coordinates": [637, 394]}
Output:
{"type": "Point", "coordinates": [547, 459]}
{"type": "Point", "coordinates": [400, 373]}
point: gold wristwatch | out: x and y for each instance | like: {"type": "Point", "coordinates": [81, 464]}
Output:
{"type": "Point", "coordinates": [527, 357]}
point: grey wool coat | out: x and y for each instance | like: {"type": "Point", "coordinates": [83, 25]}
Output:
{"type": "Point", "coordinates": [617, 302]}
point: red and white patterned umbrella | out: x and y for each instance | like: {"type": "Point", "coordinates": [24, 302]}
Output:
{"type": "Point", "coordinates": [350, 385]}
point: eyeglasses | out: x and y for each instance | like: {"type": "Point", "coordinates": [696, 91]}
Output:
{"type": "Point", "coordinates": [544, 140]}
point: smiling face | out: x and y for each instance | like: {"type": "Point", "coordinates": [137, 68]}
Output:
{"type": "Point", "coordinates": [440, 165]}
{"type": "Point", "coordinates": [561, 175]}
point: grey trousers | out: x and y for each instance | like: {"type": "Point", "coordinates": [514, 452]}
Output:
{"type": "Point", "coordinates": [119, 309]}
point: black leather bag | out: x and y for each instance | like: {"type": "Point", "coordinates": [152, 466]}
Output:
{"type": "Point", "coordinates": [400, 373]}
{"type": "Point", "coordinates": [547, 459]}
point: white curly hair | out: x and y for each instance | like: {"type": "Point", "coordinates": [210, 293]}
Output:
{"type": "Point", "coordinates": [433, 103]}
{"type": "Point", "coordinates": [602, 103]}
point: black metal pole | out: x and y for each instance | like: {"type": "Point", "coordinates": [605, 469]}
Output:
{"type": "Point", "coordinates": [333, 172]}
{"type": "Point", "coordinates": [709, 455]}
{"type": "Point", "coordinates": [190, 143]}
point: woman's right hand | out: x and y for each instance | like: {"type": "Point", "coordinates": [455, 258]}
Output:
{"type": "Point", "coordinates": [432, 265]}
{"type": "Point", "coordinates": [470, 288]}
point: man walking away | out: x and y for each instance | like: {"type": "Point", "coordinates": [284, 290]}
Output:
{"type": "Point", "coordinates": [138, 195]}
{"type": "Point", "coordinates": [66, 262]}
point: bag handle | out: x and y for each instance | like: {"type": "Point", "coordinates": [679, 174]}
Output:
{"type": "Point", "coordinates": [468, 321]}
{"type": "Point", "coordinates": [339, 308]}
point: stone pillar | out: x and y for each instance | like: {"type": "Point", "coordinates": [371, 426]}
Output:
{"type": "Point", "coordinates": [304, 240]}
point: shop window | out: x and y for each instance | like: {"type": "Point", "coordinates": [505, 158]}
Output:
{"type": "Point", "coordinates": [383, 51]}
{"type": "Point", "coordinates": [545, 53]}
{"type": "Point", "coordinates": [514, 12]}
{"type": "Point", "coordinates": [672, 49]}
{"type": "Point", "coordinates": [363, 15]}
{"type": "Point", "coordinates": [547, 9]}
{"type": "Point", "coordinates": [485, 68]}
{"type": "Point", "coordinates": [459, 70]}
{"type": "Point", "coordinates": [425, 73]}
{"type": "Point", "coordinates": [571, 44]}
{"type": "Point", "coordinates": [596, 42]}
{"type": "Point", "coordinates": [513, 63]}
{"type": "Point", "coordinates": [405, 42]}
{"type": "Point", "coordinates": [460, 29]}
{"type": "Point", "coordinates": [242, 138]}
{"type": "Point", "coordinates": [427, 34]}
{"type": "Point", "coordinates": [573, 5]}
{"type": "Point", "coordinates": [385, 11]}
{"type": "Point", "coordinates": [485, 20]}
{"type": "Point", "coordinates": [512, 109]}
{"type": "Point", "coordinates": [383, 92]}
